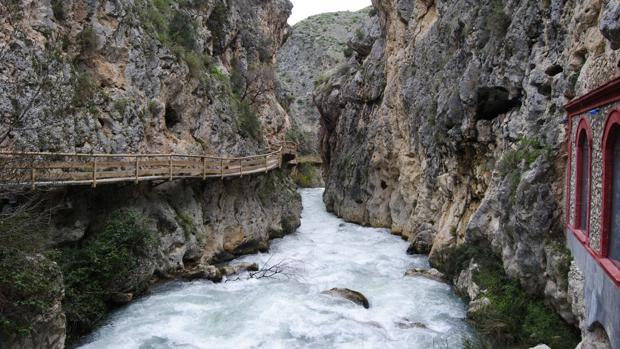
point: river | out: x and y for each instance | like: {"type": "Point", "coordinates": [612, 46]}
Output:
{"type": "Point", "coordinates": [289, 311]}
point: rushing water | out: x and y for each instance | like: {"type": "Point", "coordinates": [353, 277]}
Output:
{"type": "Point", "coordinates": [290, 312]}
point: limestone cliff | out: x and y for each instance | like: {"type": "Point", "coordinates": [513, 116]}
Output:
{"type": "Point", "coordinates": [447, 126]}
{"type": "Point", "coordinates": [315, 46]}
{"type": "Point", "coordinates": [150, 76]}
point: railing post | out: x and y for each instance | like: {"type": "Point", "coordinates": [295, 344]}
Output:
{"type": "Point", "coordinates": [280, 158]}
{"type": "Point", "coordinates": [222, 168]}
{"type": "Point", "coordinates": [94, 172]}
{"type": "Point", "coordinates": [33, 177]}
{"type": "Point", "coordinates": [240, 168]}
{"type": "Point", "coordinates": [170, 167]}
{"type": "Point", "coordinates": [266, 163]}
{"type": "Point", "coordinates": [137, 170]}
{"type": "Point", "coordinates": [204, 168]}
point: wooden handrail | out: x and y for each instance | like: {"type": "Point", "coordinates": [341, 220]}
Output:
{"type": "Point", "coordinates": [44, 168]}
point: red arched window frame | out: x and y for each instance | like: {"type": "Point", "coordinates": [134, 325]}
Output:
{"type": "Point", "coordinates": [612, 130]}
{"type": "Point", "coordinates": [582, 229]}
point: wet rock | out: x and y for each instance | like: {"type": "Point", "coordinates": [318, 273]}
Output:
{"type": "Point", "coordinates": [407, 324]}
{"type": "Point", "coordinates": [465, 284]}
{"type": "Point", "coordinates": [222, 257]}
{"type": "Point", "coordinates": [209, 272]}
{"type": "Point", "coordinates": [432, 274]}
{"type": "Point", "coordinates": [250, 247]}
{"type": "Point", "coordinates": [229, 270]}
{"type": "Point", "coordinates": [120, 298]}
{"type": "Point", "coordinates": [353, 296]}
{"type": "Point", "coordinates": [477, 306]}
{"type": "Point", "coordinates": [422, 243]}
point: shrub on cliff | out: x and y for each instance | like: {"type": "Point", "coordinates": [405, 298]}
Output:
{"type": "Point", "coordinates": [514, 317]}
{"type": "Point", "coordinates": [497, 21]}
{"type": "Point", "coordinates": [29, 286]}
{"type": "Point", "coordinates": [247, 120]}
{"type": "Point", "coordinates": [305, 176]}
{"type": "Point", "coordinates": [102, 265]}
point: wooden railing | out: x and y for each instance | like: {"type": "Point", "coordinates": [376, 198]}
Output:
{"type": "Point", "coordinates": [60, 169]}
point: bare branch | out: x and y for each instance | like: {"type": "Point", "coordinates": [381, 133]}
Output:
{"type": "Point", "coordinates": [273, 271]}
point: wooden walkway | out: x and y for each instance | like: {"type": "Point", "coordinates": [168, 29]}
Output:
{"type": "Point", "coordinates": [61, 169]}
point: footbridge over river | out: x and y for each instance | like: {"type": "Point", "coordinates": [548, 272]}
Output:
{"type": "Point", "coordinates": [34, 169]}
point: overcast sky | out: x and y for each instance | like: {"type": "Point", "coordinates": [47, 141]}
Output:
{"type": "Point", "coordinates": [305, 8]}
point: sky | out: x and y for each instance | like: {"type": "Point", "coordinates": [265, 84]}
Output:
{"type": "Point", "coordinates": [305, 8]}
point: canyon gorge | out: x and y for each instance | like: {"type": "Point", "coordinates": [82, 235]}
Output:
{"type": "Point", "coordinates": [441, 122]}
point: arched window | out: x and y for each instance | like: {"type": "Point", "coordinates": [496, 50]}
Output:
{"type": "Point", "coordinates": [582, 192]}
{"type": "Point", "coordinates": [611, 189]}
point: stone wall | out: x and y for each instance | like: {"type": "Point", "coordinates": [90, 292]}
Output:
{"type": "Point", "coordinates": [596, 122]}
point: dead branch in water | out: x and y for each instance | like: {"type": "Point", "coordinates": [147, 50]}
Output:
{"type": "Point", "coordinates": [269, 271]}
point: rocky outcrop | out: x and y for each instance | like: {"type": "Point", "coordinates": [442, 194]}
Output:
{"type": "Point", "coordinates": [431, 274]}
{"type": "Point", "coordinates": [448, 126]}
{"type": "Point", "coordinates": [195, 222]}
{"type": "Point", "coordinates": [349, 295]}
{"type": "Point", "coordinates": [315, 46]}
{"type": "Point", "coordinates": [121, 76]}
{"type": "Point", "coordinates": [191, 77]}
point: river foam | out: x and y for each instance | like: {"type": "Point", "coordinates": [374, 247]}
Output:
{"type": "Point", "coordinates": [290, 312]}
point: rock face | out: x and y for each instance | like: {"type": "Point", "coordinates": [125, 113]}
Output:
{"type": "Point", "coordinates": [127, 76]}
{"type": "Point", "coordinates": [447, 126]}
{"type": "Point", "coordinates": [350, 295]}
{"type": "Point", "coordinates": [316, 45]}
{"type": "Point", "coordinates": [189, 77]}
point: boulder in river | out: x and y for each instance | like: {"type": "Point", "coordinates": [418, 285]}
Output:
{"type": "Point", "coordinates": [121, 298]}
{"type": "Point", "coordinates": [353, 296]}
{"type": "Point", "coordinates": [209, 272]}
{"type": "Point", "coordinates": [432, 274]}
{"type": "Point", "coordinates": [229, 270]}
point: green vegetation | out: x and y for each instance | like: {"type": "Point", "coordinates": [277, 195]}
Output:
{"type": "Point", "coordinates": [514, 317]}
{"type": "Point", "coordinates": [88, 39]}
{"type": "Point", "coordinates": [305, 176]}
{"type": "Point", "coordinates": [22, 231]}
{"type": "Point", "coordinates": [526, 153]}
{"type": "Point", "coordinates": [348, 52]}
{"type": "Point", "coordinates": [183, 31]}
{"type": "Point", "coordinates": [528, 150]}
{"type": "Point", "coordinates": [497, 22]}
{"type": "Point", "coordinates": [453, 231]}
{"type": "Point", "coordinates": [217, 23]}
{"type": "Point", "coordinates": [264, 49]}
{"type": "Point", "coordinates": [359, 34]}
{"type": "Point", "coordinates": [247, 120]}
{"type": "Point", "coordinates": [29, 285]}
{"type": "Point", "coordinates": [121, 104]}
{"type": "Point", "coordinates": [177, 31]}
{"type": "Point", "coordinates": [85, 89]}
{"type": "Point", "coordinates": [99, 266]}
{"type": "Point", "coordinates": [59, 10]}
{"type": "Point", "coordinates": [13, 7]}
{"type": "Point", "coordinates": [294, 135]}
{"type": "Point", "coordinates": [323, 78]}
